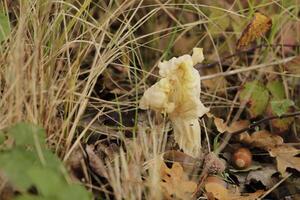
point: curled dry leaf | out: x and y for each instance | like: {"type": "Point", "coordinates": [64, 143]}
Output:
{"type": "Point", "coordinates": [95, 162]}
{"type": "Point", "coordinates": [261, 139]}
{"type": "Point", "coordinates": [285, 157]}
{"type": "Point", "coordinates": [175, 183]}
{"type": "Point", "coordinates": [259, 25]}
{"type": "Point", "coordinates": [177, 93]}
{"type": "Point", "coordinates": [262, 175]}
{"type": "Point", "coordinates": [234, 126]}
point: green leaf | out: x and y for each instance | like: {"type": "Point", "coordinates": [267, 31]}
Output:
{"type": "Point", "coordinates": [276, 89]}
{"type": "Point", "coordinates": [15, 164]}
{"type": "Point", "coordinates": [28, 166]}
{"type": "Point", "coordinates": [75, 192]}
{"type": "Point", "coordinates": [256, 96]}
{"type": "Point", "coordinates": [2, 137]}
{"type": "Point", "coordinates": [32, 197]}
{"type": "Point", "coordinates": [4, 26]}
{"type": "Point", "coordinates": [27, 134]}
{"type": "Point", "coordinates": [280, 107]}
{"type": "Point", "coordinates": [48, 182]}
{"type": "Point", "coordinates": [216, 143]}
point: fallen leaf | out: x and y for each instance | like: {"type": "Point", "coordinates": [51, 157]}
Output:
{"type": "Point", "coordinates": [233, 127]}
{"type": "Point", "coordinates": [281, 107]}
{"type": "Point", "coordinates": [214, 187]}
{"type": "Point", "coordinates": [262, 175]}
{"type": "Point", "coordinates": [95, 162]}
{"type": "Point", "coordinates": [278, 106]}
{"type": "Point", "coordinates": [255, 96]}
{"type": "Point", "coordinates": [261, 139]}
{"type": "Point", "coordinates": [285, 157]}
{"type": "Point", "coordinates": [175, 183]}
{"type": "Point", "coordinates": [190, 164]}
{"type": "Point", "coordinates": [248, 196]}
{"type": "Point", "coordinates": [220, 124]}
{"type": "Point", "coordinates": [276, 88]}
{"type": "Point", "coordinates": [220, 192]}
{"type": "Point", "coordinates": [259, 25]}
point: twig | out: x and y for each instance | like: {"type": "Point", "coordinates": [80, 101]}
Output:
{"type": "Point", "coordinates": [238, 53]}
{"type": "Point", "coordinates": [275, 186]}
{"type": "Point", "coordinates": [243, 69]}
{"type": "Point", "coordinates": [228, 136]}
{"type": "Point", "coordinates": [265, 120]}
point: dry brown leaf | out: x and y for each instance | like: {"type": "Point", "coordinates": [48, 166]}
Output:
{"type": "Point", "coordinates": [175, 183]}
{"type": "Point", "coordinates": [221, 193]}
{"type": "Point", "coordinates": [220, 124]}
{"type": "Point", "coordinates": [95, 162]}
{"type": "Point", "coordinates": [217, 190]}
{"type": "Point", "coordinates": [284, 154]}
{"type": "Point", "coordinates": [248, 196]}
{"type": "Point", "coordinates": [234, 126]}
{"type": "Point", "coordinates": [259, 25]}
{"type": "Point", "coordinates": [261, 139]}
{"type": "Point", "coordinates": [263, 175]}
{"type": "Point", "coordinates": [285, 157]}
{"type": "Point", "coordinates": [189, 164]}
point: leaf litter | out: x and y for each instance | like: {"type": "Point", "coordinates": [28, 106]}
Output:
{"type": "Point", "coordinates": [174, 132]}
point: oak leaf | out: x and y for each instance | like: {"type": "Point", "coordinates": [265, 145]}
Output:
{"type": "Point", "coordinates": [286, 157]}
{"type": "Point", "coordinates": [175, 183]}
{"type": "Point", "coordinates": [221, 193]}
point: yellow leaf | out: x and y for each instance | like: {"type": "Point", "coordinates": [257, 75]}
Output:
{"type": "Point", "coordinates": [216, 188]}
{"type": "Point", "coordinates": [261, 139]}
{"type": "Point", "coordinates": [259, 25]}
{"type": "Point", "coordinates": [233, 127]}
{"type": "Point", "coordinates": [175, 182]}
{"type": "Point", "coordinates": [285, 157]}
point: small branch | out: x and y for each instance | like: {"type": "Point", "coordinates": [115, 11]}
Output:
{"type": "Point", "coordinates": [228, 136]}
{"type": "Point", "coordinates": [245, 69]}
{"type": "Point", "coordinates": [265, 120]}
{"type": "Point", "coordinates": [238, 53]}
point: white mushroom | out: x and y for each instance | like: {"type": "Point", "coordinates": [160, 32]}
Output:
{"type": "Point", "coordinates": [177, 93]}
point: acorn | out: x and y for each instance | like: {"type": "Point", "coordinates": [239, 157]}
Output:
{"type": "Point", "coordinates": [242, 158]}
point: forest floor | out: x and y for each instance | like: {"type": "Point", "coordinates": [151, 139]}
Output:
{"type": "Point", "coordinates": [102, 99]}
